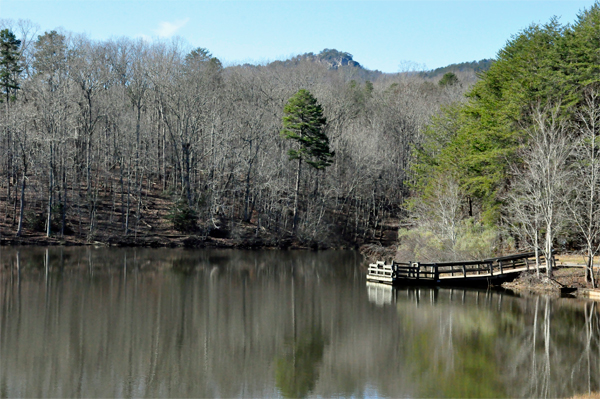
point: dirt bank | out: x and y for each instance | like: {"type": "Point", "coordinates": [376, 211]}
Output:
{"type": "Point", "coordinates": [565, 279]}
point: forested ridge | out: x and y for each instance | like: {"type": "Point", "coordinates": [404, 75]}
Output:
{"type": "Point", "coordinates": [516, 166]}
{"type": "Point", "coordinates": [157, 143]}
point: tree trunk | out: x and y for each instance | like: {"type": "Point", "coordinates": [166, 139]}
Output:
{"type": "Point", "coordinates": [549, 255]}
{"type": "Point", "coordinates": [591, 270]}
{"type": "Point", "coordinates": [537, 253]}
{"type": "Point", "coordinates": [298, 171]}
{"type": "Point", "coordinates": [63, 216]}
{"type": "Point", "coordinates": [22, 203]}
{"type": "Point", "coordinates": [50, 192]}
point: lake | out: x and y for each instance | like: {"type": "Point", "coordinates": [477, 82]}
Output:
{"type": "Point", "coordinates": [104, 322]}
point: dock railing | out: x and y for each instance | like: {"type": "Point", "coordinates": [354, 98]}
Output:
{"type": "Point", "coordinates": [379, 271]}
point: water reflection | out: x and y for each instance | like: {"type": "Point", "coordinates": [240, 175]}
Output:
{"type": "Point", "coordinates": [171, 323]}
{"type": "Point", "coordinates": [472, 343]}
{"type": "Point", "coordinates": [296, 370]}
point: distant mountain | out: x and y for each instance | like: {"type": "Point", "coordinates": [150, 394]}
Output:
{"type": "Point", "coordinates": [334, 59]}
{"type": "Point", "coordinates": [343, 61]}
{"type": "Point", "coordinates": [474, 66]}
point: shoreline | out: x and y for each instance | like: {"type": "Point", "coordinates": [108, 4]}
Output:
{"type": "Point", "coordinates": [566, 281]}
{"type": "Point", "coordinates": [165, 241]}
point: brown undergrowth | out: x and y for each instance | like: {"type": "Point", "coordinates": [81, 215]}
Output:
{"type": "Point", "coordinates": [570, 278]}
{"type": "Point", "coordinates": [593, 395]}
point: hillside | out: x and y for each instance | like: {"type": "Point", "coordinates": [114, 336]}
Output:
{"type": "Point", "coordinates": [345, 63]}
{"type": "Point", "coordinates": [473, 66]}
{"type": "Point", "coordinates": [134, 143]}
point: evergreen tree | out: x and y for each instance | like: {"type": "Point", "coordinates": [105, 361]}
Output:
{"type": "Point", "coordinates": [449, 79]}
{"type": "Point", "coordinates": [530, 70]}
{"type": "Point", "coordinates": [9, 64]}
{"type": "Point", "coordinates": [486, 143]}
{"type": "Point", "coordinates": [303, 122]}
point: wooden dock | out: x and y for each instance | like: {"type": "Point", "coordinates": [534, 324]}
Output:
{"type": "Point", "coordinates": [485, 272]}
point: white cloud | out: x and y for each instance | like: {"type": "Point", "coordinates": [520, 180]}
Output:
{"type": "Point", "coordinates": [168, 29]}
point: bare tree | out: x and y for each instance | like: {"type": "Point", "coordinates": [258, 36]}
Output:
{"type": "Point", "coordinates": [524, 213]}
{"type": "Point", "coordinates": [543, 181]}
{"type": "Point", "coordinates": [584, 207]}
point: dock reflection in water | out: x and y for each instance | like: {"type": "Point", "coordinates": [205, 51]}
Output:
{"type": "Point", "coordinates": [170, 323]}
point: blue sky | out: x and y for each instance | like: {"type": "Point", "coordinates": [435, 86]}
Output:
{"type": "Point", "coordinates": [390, 35]}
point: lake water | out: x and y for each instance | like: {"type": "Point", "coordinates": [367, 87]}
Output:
{"type": "Point", "coordinates": [86, 322]}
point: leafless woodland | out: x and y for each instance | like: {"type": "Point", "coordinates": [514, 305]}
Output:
{"type": "Point", "coordinates": [105, 139]}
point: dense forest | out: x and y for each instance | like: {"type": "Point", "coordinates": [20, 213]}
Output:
{"type": "Point", "coordinates": [129, 141]}
{"type": "Point", "coordinates": [516, 165]}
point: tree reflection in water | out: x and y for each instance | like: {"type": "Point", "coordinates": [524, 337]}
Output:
{"type": "Point", "coordinates": [468, 343]}
{"type": "Point", "coordinates": [297, 370]}
{"type": "Point", "coordinates": [86, 322]}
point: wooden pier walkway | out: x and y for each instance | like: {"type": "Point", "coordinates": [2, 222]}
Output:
{"type": "Point", "coordinates": [493, 271]}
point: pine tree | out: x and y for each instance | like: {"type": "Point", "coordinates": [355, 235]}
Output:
{"type": "Point", "coordinates": [9, 64]}
{"type": "Point", "coordinates": [303, 122]}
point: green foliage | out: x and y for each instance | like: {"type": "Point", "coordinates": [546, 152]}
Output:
{"type": "Point", "coordinates": [476, 66]}
{"type": "Point", "coordinates": [50, 53]}
{"type": "Point", "coordinates": [201, 57]}
{"type": "Point", "coordinates": [10, 67]}
{"type": "Point", "coordinates": [303, 122]}
{"type": "Point", "coordinates": [369, 88]}
{"type": "Point", "coordinates": [476, 141]}
{"type": "Point", "coordinates": [200, 54]}
{"type": "Point", "coordinates": [37, 221]}
{"type": "Point", "coordinates": [476, 240]}
{"type": "Point", "coordinates": [183, 217]}
{"type": "Point", "coordinates": [358, 97]}
{"type": "Point", "coordinates": [431, 152]}
{"type": "Point", "coordinates": [449, 79]}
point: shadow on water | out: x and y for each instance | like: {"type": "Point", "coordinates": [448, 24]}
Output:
{"type": "Point", "coordinates": [173, 323]}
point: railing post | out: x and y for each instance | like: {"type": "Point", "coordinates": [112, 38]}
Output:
{"type": "Point", "coordinates": [527, 263]}
{"type": "Point", "coordinates": [500, 264]}
{"type": "Point", "coordinates": [464, 267]}
{"type": "Point", "coordinates": [418, 269]}
{"type": "Point", "coordinates": [491, 269]}
{"type": "Point", "coordinates": [436, 275]}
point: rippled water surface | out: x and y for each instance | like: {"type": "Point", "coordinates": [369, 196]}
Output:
{"type": "Point", "coordinates": [85, 322]}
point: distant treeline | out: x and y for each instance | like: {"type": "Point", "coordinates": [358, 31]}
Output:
{"type": "Point", "coordinates": [124, 138]}
{"type": "Point", "coordinates": [474, 66]}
